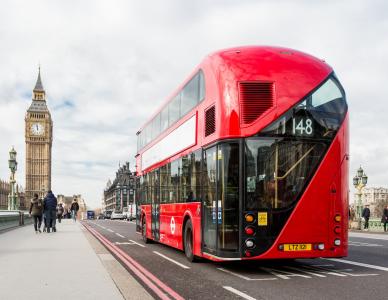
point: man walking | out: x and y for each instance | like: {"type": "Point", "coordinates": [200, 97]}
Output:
{"type": "Point", "coordinates": [50, 211]}
{"type": "Point", "coordinates": [74, 209]}
{"type": "Point", "coordinates": [36, 211]}
{"type": "Point", "coordinates": [366, 215]}
{"type": "Point", "coordinates": [384, 219]}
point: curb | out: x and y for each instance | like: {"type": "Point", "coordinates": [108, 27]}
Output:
{"type": "Point", "coordinates": [159, 288]}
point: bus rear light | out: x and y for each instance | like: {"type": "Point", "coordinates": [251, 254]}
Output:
{"type": "Point", "coordinates": [249, 230]}
{"type": "Point", "coordinates": [249, 218]}
{"type": "Point", "coordinates": [337, 218]}
{"type": "Point", "coordinates": [337, 230]}
{"type": "Point", "coordinates": [337, 242]}
{"type": "Point", "coordinates": [249, 243]}
{"type": "Point", "coordinates": [248, 253]}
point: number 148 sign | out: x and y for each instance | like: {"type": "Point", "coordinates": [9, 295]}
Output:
{"type": "Point", "coordinates": [302, 126]}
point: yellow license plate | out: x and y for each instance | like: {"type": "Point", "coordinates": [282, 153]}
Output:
{"type": "Point", "coordinates": [297, 247]}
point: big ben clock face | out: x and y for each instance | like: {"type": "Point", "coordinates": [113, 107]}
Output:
{"type": "Point", "coordinates": [37, 129]}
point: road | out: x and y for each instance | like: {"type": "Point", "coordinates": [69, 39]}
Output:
{"type": "Point", "coordinates": [362, 275]}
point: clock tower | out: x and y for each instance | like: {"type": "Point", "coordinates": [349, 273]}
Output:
{"type": "Point", "coordinates": [39, 138]}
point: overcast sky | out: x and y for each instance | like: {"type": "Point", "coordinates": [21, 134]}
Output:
{"type": "Point", "coordinates": [106, 65]}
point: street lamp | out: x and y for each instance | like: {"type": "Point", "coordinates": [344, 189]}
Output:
{"type": "Point", "coordinates": [13, 165]}
{"type": "Point", "coordinates": [359, 182]}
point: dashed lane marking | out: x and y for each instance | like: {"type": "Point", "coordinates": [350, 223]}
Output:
{"type": "Point", "coordinates": [110, 230]}
{"type": "Point", "coordinates": [239, 293]}
{"type": "Point", "coordinates": [118, 234]}
{"type": "Point", "coordinates": [173, 261]}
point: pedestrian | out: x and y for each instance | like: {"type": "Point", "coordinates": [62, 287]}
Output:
{"type": "Point", "coordinates": [74, 209]}
{"type": "Point", "coordinates": [366, 215]}
{"type": "Point", "coordinates": [50, 211]}
{"type": "Point", "coordinates": [36, 211]}
{"type": "Point", "coordinates": [384, 218]}
{"type": "Point", "coordinates": [60, 211]}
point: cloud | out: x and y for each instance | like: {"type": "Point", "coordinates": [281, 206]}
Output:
{"type": "Point", "coordinates": [107, 65]}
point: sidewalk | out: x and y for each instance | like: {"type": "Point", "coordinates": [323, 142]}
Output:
{"type": "Point", "coordinates": [61, 265]}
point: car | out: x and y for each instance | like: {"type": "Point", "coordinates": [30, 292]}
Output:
{"type": "Point", "coordinates": [117, 215]}
{"type": "Point", "coordinates": [131, 212]}
{"type": "Point", "coordinates": [100, 217]}
{"type": "Point", "coordinates": [107, 214]}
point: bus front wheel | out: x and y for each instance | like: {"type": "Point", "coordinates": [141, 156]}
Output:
{"type": "Point", "coordinates": [189, 241]}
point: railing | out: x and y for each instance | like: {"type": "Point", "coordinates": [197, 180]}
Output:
{"type": "Point", "coordinates": [375, 225]}
{"type": "Point", "coordinates": [14, 218]}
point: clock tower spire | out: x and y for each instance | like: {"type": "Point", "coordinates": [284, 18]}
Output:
{"type": "Point", "coordinates": [38, 137]}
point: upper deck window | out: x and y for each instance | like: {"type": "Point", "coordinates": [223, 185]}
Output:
{"type": "Point", "coordinates": [188, 98]}
{"type": "Point", "coordinates": [174, 108]}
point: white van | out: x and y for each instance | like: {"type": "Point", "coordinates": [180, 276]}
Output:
{"type": "Point", "coordinates": [131, 212]}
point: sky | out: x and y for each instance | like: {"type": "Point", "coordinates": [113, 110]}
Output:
{"type": "Point", "coordinates": [107, 65]}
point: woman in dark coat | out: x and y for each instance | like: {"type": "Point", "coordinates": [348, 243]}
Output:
{"type": "Point", "coordinates": [36, 211]}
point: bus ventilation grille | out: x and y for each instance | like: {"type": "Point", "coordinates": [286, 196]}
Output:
{"type": "Point", "coordinates": [255, 99]}
{"type": "Point", "coordinates": [210, 121]}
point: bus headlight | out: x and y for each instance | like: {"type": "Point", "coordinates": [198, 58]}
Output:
{"type": "Point", "coordinates": [337, 242]}
{"type": "Point", "coordinates": [249, 243]}
{"type": "Point", "coordinates": [321, 246]}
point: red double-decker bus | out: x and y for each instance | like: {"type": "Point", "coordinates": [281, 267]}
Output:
{"type": "Point", "coordinates": [248, 159]}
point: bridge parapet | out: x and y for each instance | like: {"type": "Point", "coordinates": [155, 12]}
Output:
{"type": "Point", "coordinates": [13, 218]}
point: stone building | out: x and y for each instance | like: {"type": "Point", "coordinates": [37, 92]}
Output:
{"type": "Point", "coordinates": [121, 192]}
{"type": "Point", "coordinates": [5, 188]}
{"type": "Point", "coordinates": [375, 197]}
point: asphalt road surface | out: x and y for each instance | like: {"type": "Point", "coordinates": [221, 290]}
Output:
{"type": "Point", "coordinates": [362, 275]}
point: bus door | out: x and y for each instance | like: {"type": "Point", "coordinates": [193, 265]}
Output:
{"type": "Point", "coordinates": [209, 200]}
{"type": "Point", "coordinates": [221, 200]}
{"type": "Point", "coordinates": [155, 205]}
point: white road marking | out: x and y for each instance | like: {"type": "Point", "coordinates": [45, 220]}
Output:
{"type": "Point", "coordinates": [245, 277]}
{"type": "Point", "coordinates": [373, 236]}
{"type": "Point", "coordinates": [304, 271]}
{"type": "Point", "coordinates": [133, 242]}
{"type": "Point", "coordinates": [237, 292]}
{"type": "Point", "coordinates": [359, 244]}
{"type": "Point", "coordinates": [123, 243]}
{"type": "Point", "coordinates": [118, 234]}
{"type": "Point", "coordinates": [110, 230]}
{"type": "Point", "coordinates": [173, 261]}
{"type": "Point", "coordinates": [283, 274]}
{"type": "Point", "coordinates": [359, 264]}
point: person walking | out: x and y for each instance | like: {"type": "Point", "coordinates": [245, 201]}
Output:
{"type": "Point", "coordinates": [60, 211]}
{"type": "Point", "coordinates": [366, 216]}
{"type": "Point", "coordinates": [74, 209]}
{"type": "Point", "coordinates": [50, 211]}
{"type": "Point", "coordinates": [36, 211]}
{"type": "Point", "coordinates": [384, 219]}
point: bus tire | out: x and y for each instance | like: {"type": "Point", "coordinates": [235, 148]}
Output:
{"type": "Point", "coordinates": [144, 231]}
{"type": "Point", "coordinates": [188, 241]}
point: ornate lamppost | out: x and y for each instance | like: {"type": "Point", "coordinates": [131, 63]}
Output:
{"type": "Point", "coordinates": [359, 182]}
{"type": "Point", "coordinates": [13, 165]}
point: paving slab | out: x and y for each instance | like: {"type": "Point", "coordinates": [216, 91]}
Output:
{"type": "Point", "coordinates": [60, 265]}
